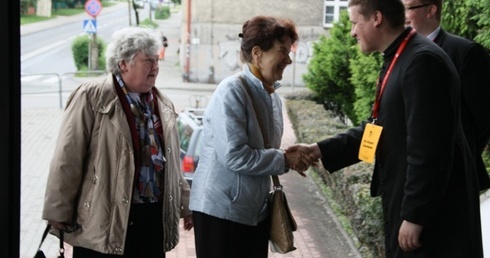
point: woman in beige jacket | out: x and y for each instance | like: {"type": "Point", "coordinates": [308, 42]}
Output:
{"type": "Point", "coordinates": [115, 184]}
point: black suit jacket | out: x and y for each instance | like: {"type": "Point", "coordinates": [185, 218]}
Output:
{"type": "Point", "coordinates": [473, 65]}
{"type": "Point", "coordinates": [424, 170]}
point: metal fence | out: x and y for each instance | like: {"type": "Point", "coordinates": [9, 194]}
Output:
{"type": "Point", "coordinates": [54, 83]}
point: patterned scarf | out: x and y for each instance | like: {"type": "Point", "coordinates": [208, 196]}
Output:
{"type": "Point", "coordinates": [152, 160]}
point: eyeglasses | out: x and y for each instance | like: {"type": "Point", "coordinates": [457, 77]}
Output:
{"type": "Point", "coordinates": [416, 7]}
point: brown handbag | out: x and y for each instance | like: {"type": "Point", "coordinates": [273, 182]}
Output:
{"type": "Point", "coordinates": [282, 223]}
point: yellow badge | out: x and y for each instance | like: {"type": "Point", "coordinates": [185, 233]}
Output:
{"type": "Point", "coordinates": [369, 142]}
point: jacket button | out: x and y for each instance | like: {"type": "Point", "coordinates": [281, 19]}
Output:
{"type": "Point", "coordinates": [125, 200]}
{"type": "Point", "coordinates": [169, 150]}
{"type": "Point", "coordinates": [118, 249]}
{"type": "Point", "coordinates": [94, 180]}
{"type": "Point", "coordinates": [171, 198]}
{"type": "Point", "coordinates": [86, 204]}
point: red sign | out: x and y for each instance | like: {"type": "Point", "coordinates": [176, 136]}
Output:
{"type": "Point", "coordinates": [93, 7]}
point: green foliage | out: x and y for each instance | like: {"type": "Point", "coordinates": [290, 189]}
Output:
{"type": "Point", "coordinates": [63, 4]}
{"type": "Point", "coordinates": [365, 70]}
{"type": "Point", "coordinates": [25, 4]}
{"type": "Point", "coordinates": [68, 11]}
{"type": "Point", "coordinates": [347, 190]}
{"type": "Point", "coordinates": [483, 22]}
{"type": "Point", "coordinates": [80, 48]}
{"type": "Point", "coordinates": [486, 158]}
{"type": "Point", "coordinates": [147, 23]}
{"type": "Point", "coordinates": [162, 12]}
{"type": "Point", "coordinates": [328, 72]}
{"type": "Point", "coordinates": [457, 18]}
{"type": "Point", "coordinates": [26, 19]}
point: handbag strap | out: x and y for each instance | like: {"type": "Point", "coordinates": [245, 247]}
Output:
{"type": "Point", "coordinates": [45, 234]}
{"type": "Point", "coordinates": [275, 178]}
{"type": "Point", "coordinates": [62, 247]}
{"type": "Point", "coordinates": [48, 227]}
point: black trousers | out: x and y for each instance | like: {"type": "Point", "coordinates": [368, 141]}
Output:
{"type": "Point", "coordinates": [144, 237]}
{"type": "Point", "coordinates": [220, 238]}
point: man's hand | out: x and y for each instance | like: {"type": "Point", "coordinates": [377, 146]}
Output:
{"type": "Point", "coordinates": [409, 236]}
{"type": "Point", "coordinates": [311, 152]}
{"type": "Point", "coordinates": [302, 156]}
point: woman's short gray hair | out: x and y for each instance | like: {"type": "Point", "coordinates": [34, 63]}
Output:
{"type": "Point", "coordinates": [126, 43]}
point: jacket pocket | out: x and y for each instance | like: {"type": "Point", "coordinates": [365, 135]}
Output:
{"type": "Point", "coordinates": [85, 201]}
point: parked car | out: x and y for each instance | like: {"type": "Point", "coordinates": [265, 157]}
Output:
{"type": "Point", "coordinates": [189, 124]}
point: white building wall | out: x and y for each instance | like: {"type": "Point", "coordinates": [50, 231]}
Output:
{"type": "Point", "coordinates": [214, 44]}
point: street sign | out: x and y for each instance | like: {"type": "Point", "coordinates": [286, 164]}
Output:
{"type": "Point", "coordinates": [90, 26]}
{"type": "Point", "coordinates": [93, 7]}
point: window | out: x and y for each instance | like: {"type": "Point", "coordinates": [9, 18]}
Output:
{"type": "Point", "coordinates": [332, 10]}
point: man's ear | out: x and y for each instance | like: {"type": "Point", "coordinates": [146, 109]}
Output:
{"type": "Point", "coordinates": [431, 10]}
{"type": "Point", "coordinates": [378, 18]}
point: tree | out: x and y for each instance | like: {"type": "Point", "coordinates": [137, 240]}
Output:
{"type": "Point", "coordinates": [483, 21]}
{"type": "Point", "coordinates": [328, 72]}
{"type": "Point", "coordinates": [365, 70]}
{"type": "Point", "coordinates": [464, 25]}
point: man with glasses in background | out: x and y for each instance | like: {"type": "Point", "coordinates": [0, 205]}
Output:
{"type": "Point", "coordinates": [473, 64]}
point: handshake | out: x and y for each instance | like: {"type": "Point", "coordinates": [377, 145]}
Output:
{"type": "Point", "coordinates": [301, 156]}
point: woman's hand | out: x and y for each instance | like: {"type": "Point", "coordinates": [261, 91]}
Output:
{"type": "Point", "coordinates": [188, 222]}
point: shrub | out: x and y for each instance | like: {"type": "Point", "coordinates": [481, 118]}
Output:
{"type": "Point", "coordinates": [80, 48]}
{"type": "Point", "coordinates": [364, 76]}
{"type": "Point", "coordinates": [25, 4]}
{"type": "Point", "coordinates": [162, 12]}
{"type": "Point", "coordinates": [486, 158]}
{"type": "Point", "coordinates": [348, 188]}
{"type": "Point", "coordinates": [328, 72]}
{"type": "Point", "coordinates": [147, 23]}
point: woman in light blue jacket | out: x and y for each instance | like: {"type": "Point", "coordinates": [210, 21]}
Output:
{"type": "Point", "coordinates": [233, 179]}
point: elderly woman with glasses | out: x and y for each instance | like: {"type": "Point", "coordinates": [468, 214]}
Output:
{"type": "Point", "coordinates": [114, 179]}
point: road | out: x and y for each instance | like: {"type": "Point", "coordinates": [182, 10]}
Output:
{"type": "Point", "coordinates": [49, 50]}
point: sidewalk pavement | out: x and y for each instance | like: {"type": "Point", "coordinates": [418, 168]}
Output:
{"type": "Point", "coordinates": [319, 233]}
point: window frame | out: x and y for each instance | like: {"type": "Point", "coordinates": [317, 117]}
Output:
{"type": "Point", "coordinates": [337, 5]}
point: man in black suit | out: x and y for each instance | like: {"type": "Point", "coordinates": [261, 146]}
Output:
{"type": "Point", "coordinates": [473, 64]}
{"type": "Point", "coordinates": [423, 171]}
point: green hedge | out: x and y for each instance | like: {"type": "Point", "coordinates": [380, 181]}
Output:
{"type": "Point", "coordinates": [80, 48]}
{"type": "Point", "coordinates": [162, 12]}
{"type": "Point", "coordinates": [347, 190]}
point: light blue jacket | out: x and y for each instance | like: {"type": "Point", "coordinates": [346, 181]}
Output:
{"type": "Point", "coordinates": [232, 180]}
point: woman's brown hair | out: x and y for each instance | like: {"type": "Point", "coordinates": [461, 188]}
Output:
{"type": "Point", "coordinates": [263, 31]}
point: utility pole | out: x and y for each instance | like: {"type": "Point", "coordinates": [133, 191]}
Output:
{"type": "Point", "coordinates": [129, 11]}
{"type": "Point", "coordinates": [149, 11]}
{"type": "Point", "coordinates": [94, 51]}
{"type": "Point", "coordinates": [211, 61]}
{"type": "Point", "coordinates": [187, 43]}
{"type": "Point", "coordinates": [93, 8]}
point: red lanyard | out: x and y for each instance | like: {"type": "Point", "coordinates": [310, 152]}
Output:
{"type": "Point", "coordinates": [388, 73]}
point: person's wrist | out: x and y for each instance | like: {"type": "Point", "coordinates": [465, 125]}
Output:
{"type": "Point", "coordinates": [286, 162]}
